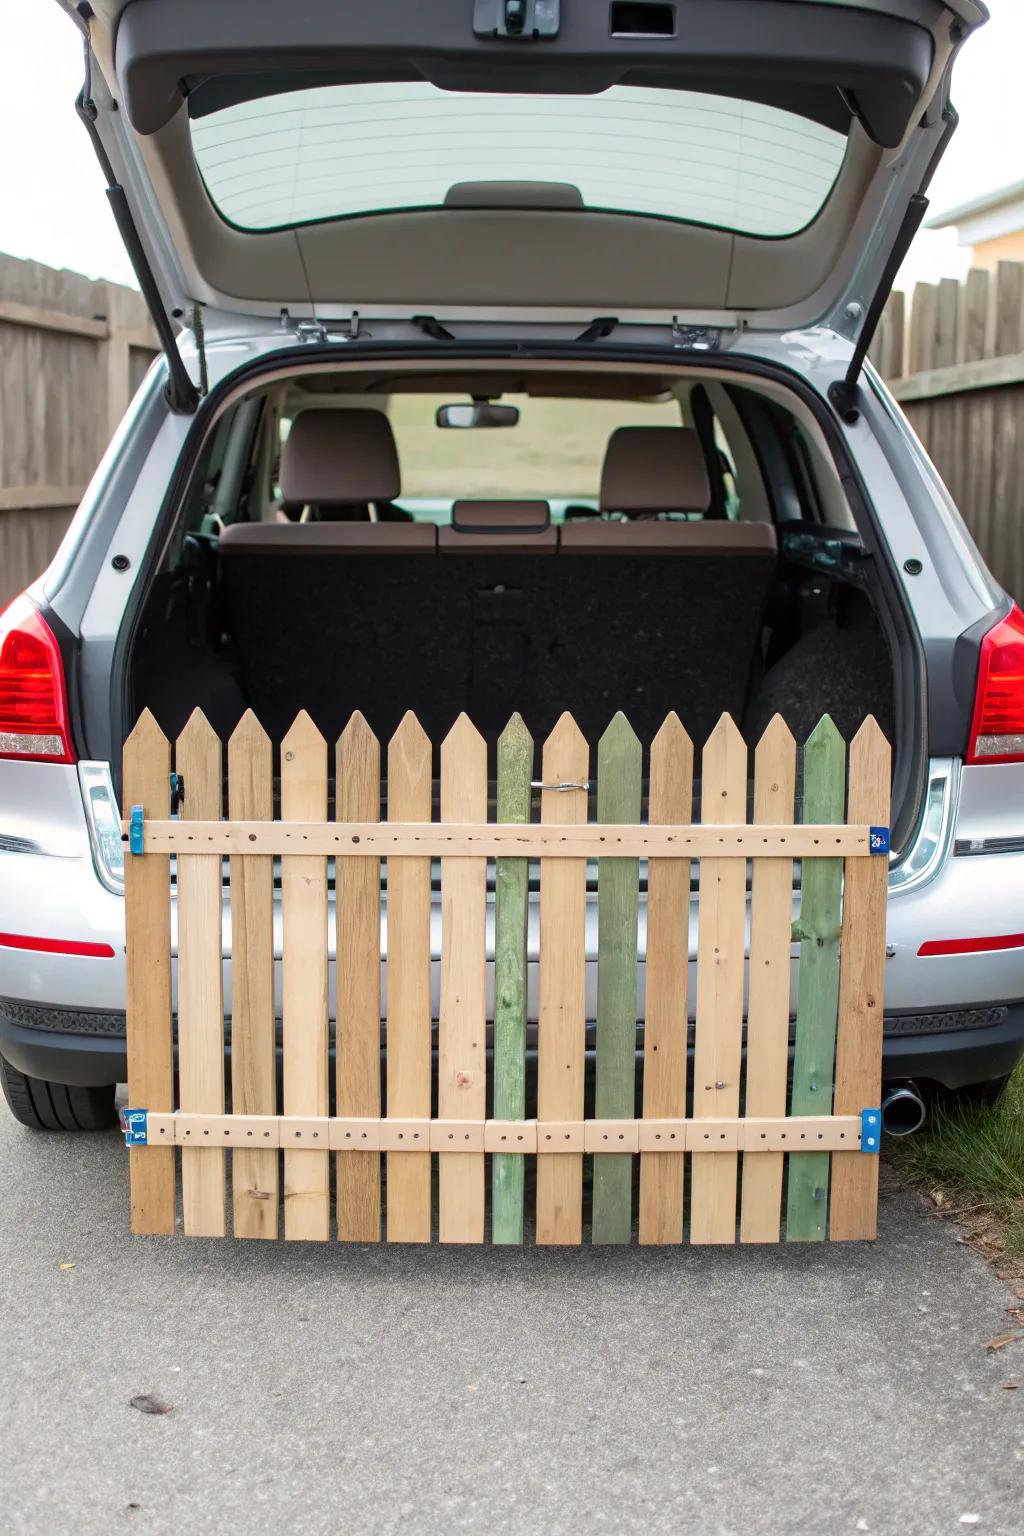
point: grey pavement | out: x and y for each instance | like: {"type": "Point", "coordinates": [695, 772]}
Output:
{"type": "Point", "coordinates": [328, 1388]}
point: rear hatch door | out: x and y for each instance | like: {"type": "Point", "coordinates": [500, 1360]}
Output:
{"type": "Point", "coordinates": [742, 162]}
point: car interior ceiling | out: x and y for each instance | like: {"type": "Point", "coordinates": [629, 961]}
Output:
{"type": "Point", "coordinates": [301, 577]}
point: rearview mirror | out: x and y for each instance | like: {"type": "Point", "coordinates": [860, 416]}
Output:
{"type": "Point", "coordinates": [480, 414]}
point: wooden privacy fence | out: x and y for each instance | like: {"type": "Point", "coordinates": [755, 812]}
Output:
{"type": "Point", "coordinates": [72, 354]}
{"type": "Point", "coordinates": [735, 1126]}
{"type": "Point", "coordinates": [957, 369]}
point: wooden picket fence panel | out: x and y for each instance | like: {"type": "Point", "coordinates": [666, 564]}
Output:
{"type": "Point", "coordinates": [750, 1148]}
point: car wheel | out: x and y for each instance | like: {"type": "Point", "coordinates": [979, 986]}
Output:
{"type": "Point", "coordinates": [56, 1106]}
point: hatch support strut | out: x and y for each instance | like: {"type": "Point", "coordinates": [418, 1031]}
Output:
{"type": "Point", "coordinates": [844, 392]}
{"type": "Point", "coordinates": [182, 394]}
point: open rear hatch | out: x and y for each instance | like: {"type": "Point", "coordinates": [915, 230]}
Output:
{"type": "Point", "coordinates": [729, 162]}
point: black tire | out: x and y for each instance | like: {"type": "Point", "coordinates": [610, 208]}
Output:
{"type": "Point", "coordinates": [46, 1106]}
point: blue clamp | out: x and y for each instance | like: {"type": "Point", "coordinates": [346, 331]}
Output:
{"type": "Point", "coordinates": [870, 1130]}
{"type": "Point", "coordinates": [878, 839]}
{"type": "Point", "coordinates": [135, 830]}
{"type": "Point", "coordinates": [135, 1125]}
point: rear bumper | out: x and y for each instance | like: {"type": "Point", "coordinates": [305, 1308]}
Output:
{"type": "Point", "coordinates": [951, 1049]}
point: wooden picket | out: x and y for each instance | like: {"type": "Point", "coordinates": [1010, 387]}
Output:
{"type": "Point", "coordinates": [755, 1172]}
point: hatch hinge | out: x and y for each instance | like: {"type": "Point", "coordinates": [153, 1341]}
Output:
{"type": "Point", "coordinates": [695, 338]}
{"type": "Point", "coordinates": [317, 332]}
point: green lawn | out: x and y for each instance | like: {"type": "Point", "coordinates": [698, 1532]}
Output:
{"type": "Point", "coordinates": [976, 1153]}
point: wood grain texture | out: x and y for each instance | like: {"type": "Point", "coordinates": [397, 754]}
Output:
{"type": "Point", "coordinates": [357, 969]}
{"type": "Point", "coordinates": [147, 896]}
{"type": "Point", "coordinates": [720, 956]}
{"type": "Point", "coordinates": [670, 798]}
{"type": "Point", "coordinates": [619, 773]}
{"type": "Point", "coordinates": [307, 1209]}
{"type": "Point", "coordinates": [511, 898]}
{"type": "Point", "coordinates": [771, 917]}
{"type": "Point", "coordinates": [197, 759]}
{"type": "Point", "coordinates": [255, 1179]}
{"type": "Point", "coordinates": [824, 762]}
{"type": "Point", "coordinates": [561, 1041]}
{"type": "Point", "coordinates": [854, 1203]}
{"type": "Point", "coordinates": [410, 1066]}
{"type": "Point", "coordinates": [462, 1054]}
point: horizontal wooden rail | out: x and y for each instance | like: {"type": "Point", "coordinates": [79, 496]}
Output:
{"type": "Point", "coordinates": [820, 1133]}
{"type": "Point", "coordinates": [36, 318]}
{"type": "Point", "coordinates": [960, 378]}
{"type": "Point", "coordinates": [585, 840]}
{"type": "Point", "coordinates": [39, 498]}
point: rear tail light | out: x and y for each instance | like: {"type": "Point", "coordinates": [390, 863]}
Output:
{"type": "Point", "coordinates": [33, 698]}
{"type": "Point", "coordinates": [997, 730]}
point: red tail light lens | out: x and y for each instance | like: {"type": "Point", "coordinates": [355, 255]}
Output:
{"type": "Point", "coordinates": [997, 731]}
{"type": "Point", "coordinates": [33, 698]}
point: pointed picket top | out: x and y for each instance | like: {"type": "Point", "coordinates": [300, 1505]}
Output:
{"type": "Point", "coordinates": [145, 734]}
{"type": "Point", "coordinates": [250, 771]}
{"type": "Point", "coordinates": [248, 733]}
{"type": "Point", "coordinates": [724, 775]}
{"type": "Point", "coordinates": [671, 788]}
{"type": "Point", "coordinates": [870, 775]}
{"type": "Point", "coordinates": [463, 772]}
{"type": "Point", "coordinates": [775, 773]}
{"type": "Point", "coordinates": [824, 773]}
{"type": "Point", "coordinates": [565, 760]}
{"type": "Point", "coordinates": [515, 770]}
{"type": "Point", "coordinates": [147, 763]}
{"type": "Point", "coordinates": [619, 771]}
{"type": "Point", "coordinates": [303, 772]}
{"type": "Point", "coordinates": [357, 775]}
{"type": "Point", "coordinates": [197, 758]}
{"type": "Point", "coordinates": [410, 786]}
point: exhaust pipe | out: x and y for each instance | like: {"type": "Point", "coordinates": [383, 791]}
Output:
{"type": "Point", "coordinates": [903, 1109]}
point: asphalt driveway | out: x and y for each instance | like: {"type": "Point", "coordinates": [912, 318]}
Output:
{"type": "Point", "coordinates": [386, 1390]}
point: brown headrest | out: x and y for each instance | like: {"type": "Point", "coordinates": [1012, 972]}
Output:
{"type": "Point", "coordinates": [334, 457]}
{"type": "Point", "coordinates": [480, 527]}
{"type": "Point", "coordinates": [654, 469]}
{"type": "Point", "coordinates": [500, 516]}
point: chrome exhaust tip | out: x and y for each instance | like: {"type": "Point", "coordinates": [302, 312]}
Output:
{"type": "Point", "coordinates": [903, 1110]}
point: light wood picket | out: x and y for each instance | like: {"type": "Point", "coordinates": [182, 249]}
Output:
{"type": "Point", "coordinates": [771, 908]}
{"type": "Point", "coordinates": [408, 1008]}
{"type": "Point", "coordinates": [357, 947]}
{"type": "Point", "coordinates": [197, 758]}
{"type": "Point", "coordinates": [307, 1209]}
{"type": "Point", "coordinates": [147, 893]}
{"type": "Point", "coordinates": [670, 799]}
{"type": "Point", "coordinates": [839, 996]}
{"type": "Point", "coordinates": [562, 1022]}
{"type": "Point", "coordinates": [462, 1059]}
{"type": "Point", "coordinates": [254, 1173]}
{"type": "Point", "coordinates": [719, 1034]}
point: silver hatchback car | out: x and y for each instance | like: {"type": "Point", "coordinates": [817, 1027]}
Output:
{"type": "Point", "coordinates": [658, 238]}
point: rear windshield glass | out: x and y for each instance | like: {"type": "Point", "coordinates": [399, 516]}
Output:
{"type": "Point", "coordinates": [335, 151]}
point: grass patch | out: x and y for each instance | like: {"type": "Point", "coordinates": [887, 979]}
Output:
{"type": "Point", "coordinates": [971, 1157]}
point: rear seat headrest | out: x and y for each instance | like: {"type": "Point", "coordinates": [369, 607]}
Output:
{"type": "Point", "coordinates": [484, 527]}
{"type": "Point", "coordinates": [654, 469]}
{"type": "Point", "coordinates": [335, 457]}
{"type": "Point", "coordinates": [501, 516]}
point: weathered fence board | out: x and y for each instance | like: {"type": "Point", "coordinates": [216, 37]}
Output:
{"type": "Point", "coordinates": [72, 352]}
{"type": "Point", "coordinates": [511, 912]}
{"type": "Point", "coordinates": [957, 369]}
{"type": "Point", "coordinates": [839, 993]}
